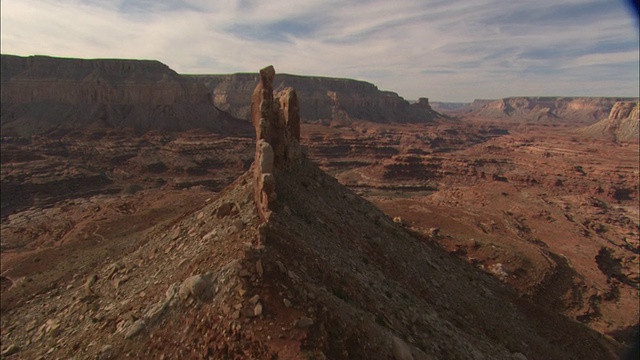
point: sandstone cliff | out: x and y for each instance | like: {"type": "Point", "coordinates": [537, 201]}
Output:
{"type": "Point", "coordinates": [42, 95]}
{"type": "Point", "coordinates": [622, 125]}
{"type": "Point", "coordinates": [562, 109]}
{"type": "Point", "coordinates": [329, 100]}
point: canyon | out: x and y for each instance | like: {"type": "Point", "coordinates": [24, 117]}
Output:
{"type": "Point", "coordinates": [373, 228]}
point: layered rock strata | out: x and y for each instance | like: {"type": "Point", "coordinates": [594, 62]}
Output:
{"type": "Point", "coordinates": [622, 125]}
{"type": "Point", "coordinates": [573, 109]}
{"type": "Point", "coordinates": [46, 95]}
{"type": "Point", "coordinates": [328, 100]}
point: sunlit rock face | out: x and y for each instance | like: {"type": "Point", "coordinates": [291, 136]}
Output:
{"type": "Point", "coordinates": [327, 100]}
{"type": "Point", "coordinates": [584, 110]}
{"type": "Point", "coordinates": [622, 125]}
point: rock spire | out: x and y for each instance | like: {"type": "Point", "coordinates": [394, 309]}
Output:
{"type": "Point", "coordinates": [277, 124]}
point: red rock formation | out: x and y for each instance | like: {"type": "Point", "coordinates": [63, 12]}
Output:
{"type": "Point", "coordinates": [277, 137]}
{"type": "Point", "coordinates": [42, 94]}
{"type": "Point", "coordinates": [78, 81]}
{"type": "Point", "coordinates": [578, 109]}
{"type": "Point", "coordinates": [289, 106]}
{"type": "Point", "coordinates": [624, 110]}
{"type": "Point", "coordinates": [622, 125]}
{"type": "Point", "coordinates": [326, 99]}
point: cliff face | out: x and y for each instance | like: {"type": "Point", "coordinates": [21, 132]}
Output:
{"type": "Point", "coordinates": [567, 109]}
{"type": "Point", "coordinates": [43, 94]}
{"type": "Point", "coordinates": [330, 100]}
{"type": "Point", "coordinates": [622, 125]}
{"type": "Point", "coordinates": [624, 110]}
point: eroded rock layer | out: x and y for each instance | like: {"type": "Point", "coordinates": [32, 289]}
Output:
{"type": "Point", "coordinates": [328, 100]}
{"type": "Point", "coordinates": [622, 125]}
{"type": "Point", "coordinates": [584, 110]}
{"type": "Point", "coordinates": [46, 95]}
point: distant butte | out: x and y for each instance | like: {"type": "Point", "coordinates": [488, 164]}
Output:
{"type": "Point", "coordinates": [585, 110]}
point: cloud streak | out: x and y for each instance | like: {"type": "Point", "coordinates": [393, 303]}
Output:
{"type": "Point", "coordinates": [445, 50]}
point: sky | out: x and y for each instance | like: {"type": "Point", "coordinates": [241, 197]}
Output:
{"type": "Point", "coordinates": [441, 49]}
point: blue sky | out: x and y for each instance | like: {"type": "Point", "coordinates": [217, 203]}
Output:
{"type": "Point", "coordinates": [441, 49]}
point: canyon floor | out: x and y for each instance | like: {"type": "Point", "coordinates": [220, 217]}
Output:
{"type": "Point", "coordinates": [549, 213]}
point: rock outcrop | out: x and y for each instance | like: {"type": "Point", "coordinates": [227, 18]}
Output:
{"type": "Point", "coordinates": [277, 125]}
{"type": "Point", "coordinates": [558, 109]}
{"type": "Point", "coordinates": [622, 125]}
{"type": "Point", "coordinates": [43, 95]}
{"type": "Point", "coordinates": [327, 100]}
{"type": "Point", "coordinates": [625, 110]}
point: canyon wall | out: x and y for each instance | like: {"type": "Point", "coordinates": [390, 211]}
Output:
{"type": "Point", "coordinates": [45, 95]}
{"type": "Point", "coordinates": [622, 125]}
{"type": "Point", "coordinates": [584, 110]}
{"type": "Point", "coordinates": [327, 100]}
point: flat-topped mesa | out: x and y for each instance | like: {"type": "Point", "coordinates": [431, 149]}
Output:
{"type": "Point", "coordinates": [277, 126]}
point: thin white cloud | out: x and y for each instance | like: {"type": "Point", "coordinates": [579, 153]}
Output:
{"type": "Point", "coordinates": [606, 59]}
{"type": "Point", "coordinates": [440, 49]}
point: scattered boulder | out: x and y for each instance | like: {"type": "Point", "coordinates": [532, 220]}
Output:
{"type": "Point", "coordinates": [114, 268]}
{"type": "Point", "coordinates": [107, 352]}
{"type": "Point", "coordinates": [136, 328]}
{"type": "Point", "coordinates": [224, 210]}
{"type": "Point", "coordinates": [257, 310]}
{"type": "Point", "coordinates": [304, 322]}
{"type": "Point", "coordinates": [88, 285]}
{"type": "Point", "coordinates": [400, 349]}
{"type": "Point", "coordinates": [238, 225]}
{"type": "Point", "coordinates": [194, 287]}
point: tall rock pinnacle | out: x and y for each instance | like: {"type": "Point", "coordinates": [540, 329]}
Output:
{"type": "Point", "coordinates": [277, 126]}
